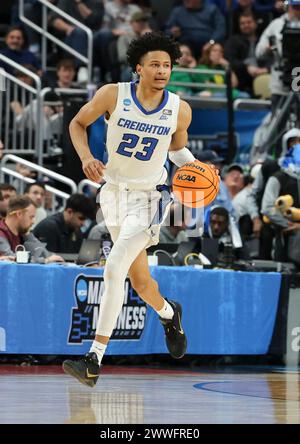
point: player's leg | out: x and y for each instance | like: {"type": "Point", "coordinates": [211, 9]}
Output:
{"type": "Point", "coordinates": [122, 255]}
{"type": "Point", "coordinates": [170, 312]}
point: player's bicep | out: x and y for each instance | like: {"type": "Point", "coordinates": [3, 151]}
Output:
{"type": "Point", "coordinates": [180, 137]}
{"type": "Point", "coordinates": [103, 101]}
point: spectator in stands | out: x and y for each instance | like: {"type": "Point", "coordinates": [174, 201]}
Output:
{"type": "Point", "coordinates": [36, 192]}
{"type": "Point", "coordinates": [285, 182]}
{"type": "Point", "coordinates": [186, 60]}
{"type": "Point", "coordinates": [220, 228]}
{"type": "Point", "coordinates": [173, 231]}
{"type": "Point", "coordinates": [213, 58]}
{"type": "Point", "coordinates": [240, 51]}
{"type": "Point", "coordinates": [62, 231]}
{"type": "Point", "coordinates": [15, 230]}
{"type": "Point", "coordinates": [249, 6]}
{"type": "Point", "coordinates": [196, 23]}
{"type": "Point", "coordinates": [16, 50]}
{"type": "Point", "coordinates": [233, 177]}
{"type": "Point", "coordinates": [66, 73]}
{"type": "Point", "coordinates": [88, 12]}
{"type": "Point", "coordinates": [140, 25]}
{"type": "Point", "coordinates": [248, 215]}
{"type": "Point", "coordinates": [8, 191]}
{"type": "Point", "coordinates": [116, 23]}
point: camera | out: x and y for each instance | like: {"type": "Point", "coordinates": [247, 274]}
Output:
{"type": "Point", "coordinates": [290, 50]}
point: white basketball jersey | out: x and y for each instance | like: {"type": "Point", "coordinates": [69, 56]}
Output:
{"type": "Point", "coordinates": [138, 140]}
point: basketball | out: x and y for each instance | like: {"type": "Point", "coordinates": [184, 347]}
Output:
{"type": "Point", "coordinates": [196, 184]}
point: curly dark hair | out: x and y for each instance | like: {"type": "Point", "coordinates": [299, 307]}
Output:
{"type": "Point", "coordinates": [152, 41]}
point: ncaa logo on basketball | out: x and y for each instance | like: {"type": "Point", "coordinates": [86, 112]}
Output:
{"type": "Point", "coordinates": [187, 177]}
{"type": "Point", "coordinates": [88, 291]}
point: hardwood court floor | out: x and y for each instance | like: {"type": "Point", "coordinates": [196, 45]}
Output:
{"type": "Point", "coordinates": [125, 395]}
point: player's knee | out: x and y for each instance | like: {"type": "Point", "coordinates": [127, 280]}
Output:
{"type": "Point", "coordinates": [142, 283]}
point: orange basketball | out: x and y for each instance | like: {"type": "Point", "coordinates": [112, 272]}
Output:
{"type": "Point", "coordinates": [196, 184]}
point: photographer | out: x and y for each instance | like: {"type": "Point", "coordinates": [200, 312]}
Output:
{"type": "Point", "coordinates": [271, 45]}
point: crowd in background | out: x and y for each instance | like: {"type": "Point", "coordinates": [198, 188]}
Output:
{"type": "Point", "coordinates": [245, 214]}
{"type": "Point", "coordinates": [245, 218]}
{"type": "Point", "coordinates": [211, 38]}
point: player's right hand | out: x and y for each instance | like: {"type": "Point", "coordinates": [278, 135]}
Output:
{"type": "Point", "coordinates": [93, 169]}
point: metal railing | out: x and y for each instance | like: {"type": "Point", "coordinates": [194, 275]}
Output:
{"type": "Point", "coordinates": [52, 130]}
{"type": "Point", "coordinates": [86, 182]}
{"type": "Point", "coordinates": [251, 104]}
{"type": "Point", "coordinates": [7, 170]}
{"type": "Point", "coordinates": [25, 180]}
{"type": "Point", "coordinates": [46, 35]}
{"type": "Point", "coordinates": [16, 136]}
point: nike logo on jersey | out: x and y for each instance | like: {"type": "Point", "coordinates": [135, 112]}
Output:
{"type": "Point", "coordinates": [125, 109]}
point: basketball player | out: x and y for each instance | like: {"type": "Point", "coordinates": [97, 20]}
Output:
{"type": "Point", "coordinates": [145, 124]}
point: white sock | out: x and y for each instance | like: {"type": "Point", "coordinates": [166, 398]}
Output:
{"type": "Point", "coordinates": [167, 311]}
{"type": "Point", "coordinates": [99, 349]}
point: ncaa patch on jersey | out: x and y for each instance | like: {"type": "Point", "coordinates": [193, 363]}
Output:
{"type": "Point", "coordinates": [167, 112]}
{"type": "Point", "coordinates": [84, 316]}
{"type": "Point", "coordinates": [126, 102]}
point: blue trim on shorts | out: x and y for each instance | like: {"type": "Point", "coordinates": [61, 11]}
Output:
{"type": "Point", "coordinates": [163, 202]}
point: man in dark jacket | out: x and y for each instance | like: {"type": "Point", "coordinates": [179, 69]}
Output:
{"type": "Point", "coordinates": [15, 50]}
{"type": "Point", "coordinates": [61, 231]}
{"type": "Point", "coordinates": [195, 23]}
{"type": "Point", "coordinates": [240, 51]}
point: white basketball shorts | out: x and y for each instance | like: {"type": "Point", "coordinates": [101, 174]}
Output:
{"type": "Point", "coordinates": [128, 212]}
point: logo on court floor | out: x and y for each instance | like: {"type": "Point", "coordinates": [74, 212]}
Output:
{"type": "Point", "coordinates": [88, 292]}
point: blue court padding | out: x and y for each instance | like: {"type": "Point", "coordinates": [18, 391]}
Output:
{"type": "Point", "coordinates": [53, 309]}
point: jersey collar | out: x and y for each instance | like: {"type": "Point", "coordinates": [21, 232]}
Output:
{"type": "Point", "coordinates": [139, 105]}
